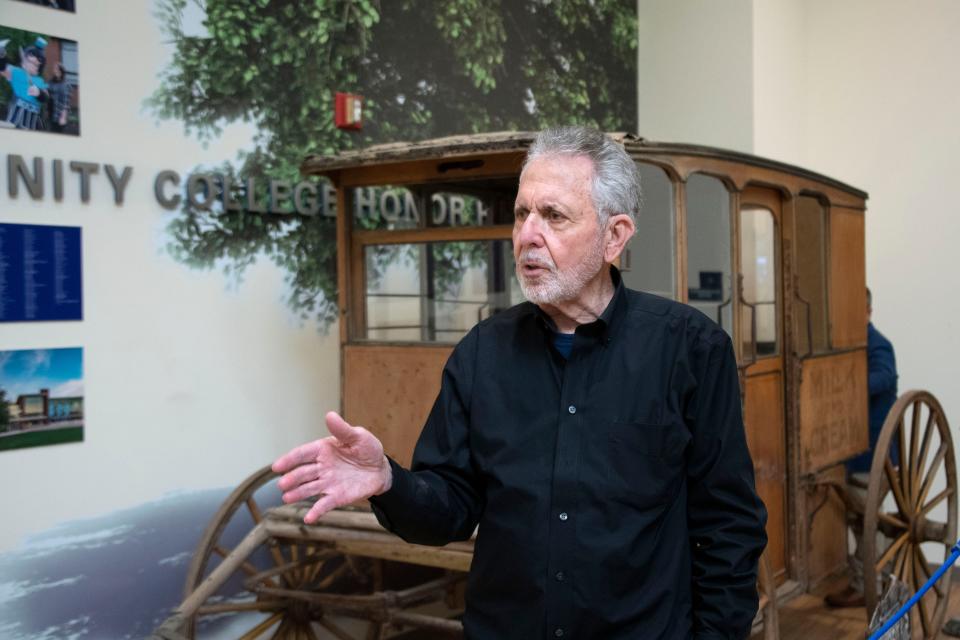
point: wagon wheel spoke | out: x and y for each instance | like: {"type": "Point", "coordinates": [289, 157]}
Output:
{"type": "Point", "coordinates": [940, 497]}
{"type": "Point", "coordinates": [294, 557]}
{"type": "Point", "coordinates": [922, 562]}
{"type": "Point", "coordinates": [262, 627]}
{"type": "Point", "coordinates": [924, 450]}
{"type": "Point", "coordinates": [254, 510]}
{"type": "Point", "coordinates": [932, 473]}
{"type": "Point", "coordinates": [891, 550]}
{"type": "Point", "coordinates": [309, 632]}
{"type": "Point", "coordinates": [318, 562]}
{"type": "Point", "coordinates": [898, 563]}
{"type": "Point", "coordinates": [902, 451]}
{"type": "Point", "coordinates": [906, 565]}
{"type": "Point", "coordinates": [283, 631]}
{"type": "Point", "coordinates": [895, 486]}
{"type": "Point", "coordinates": [328, 580]}
{"type": "Point", "coordinates": [893, 520]}
{"type": "Point", "coordinates": [924, 618]}
{"type": "Point", "coordinates": [912, 462]}
{"type": "Point", "coordinates": [246, 567]}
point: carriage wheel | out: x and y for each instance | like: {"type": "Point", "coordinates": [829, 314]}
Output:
{"type": "Point", "coordinates": [278, 563]}
{"type": "Point", "coordinates": [767, 589]}
{"type": "Point", "coordinates": [912, 480]}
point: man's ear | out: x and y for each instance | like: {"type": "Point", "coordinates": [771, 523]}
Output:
{"type": "Point", "coordinates": [619, 230]}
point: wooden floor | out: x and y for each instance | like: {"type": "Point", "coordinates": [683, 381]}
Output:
{"type": "Point", "coordinates": [806, 617]}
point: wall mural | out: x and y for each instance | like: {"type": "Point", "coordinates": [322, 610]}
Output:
{"type": "Point", "coordinates": [425, 68]}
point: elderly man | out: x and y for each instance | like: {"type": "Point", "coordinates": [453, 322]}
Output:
{"type": "Point", "coordinates": [594, 433]}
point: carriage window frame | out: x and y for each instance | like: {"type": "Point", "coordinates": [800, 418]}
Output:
{"type": "Point", "coordinates": [805, 315]}
{"type": "Point", "coordinates": [362, 238]}
{"type": "Point", "coordinates": [749, 341]}
{"type": "Point", "coordinates": [728, 291]}
{"type": "Point", "coordinates": [630, 265]}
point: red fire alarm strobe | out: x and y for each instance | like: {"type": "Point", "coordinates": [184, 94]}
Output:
{"type": "Point", "coordinates": [348, 111]}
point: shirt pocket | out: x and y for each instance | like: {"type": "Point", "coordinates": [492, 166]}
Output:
{"type": "Point", "coordinates": [644, 460]}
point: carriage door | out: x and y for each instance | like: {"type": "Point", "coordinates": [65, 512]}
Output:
{"type": "Point", "coordinates": [761, 358]}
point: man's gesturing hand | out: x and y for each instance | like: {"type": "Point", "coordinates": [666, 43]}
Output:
{"type": "Point", "coordinates": [347, 466]}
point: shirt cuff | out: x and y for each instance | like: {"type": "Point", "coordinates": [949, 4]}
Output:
{"type": "Point", "coordinates": [397, 497]}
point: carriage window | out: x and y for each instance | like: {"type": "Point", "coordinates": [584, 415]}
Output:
{"type": "Point", "coordinates": [811, 251]}
{"type": "Point", "coordinates": [648, 263]}
{"type": "Point", "coordinates": [466, 204]}
{"type": "Point", "coordinates": [435, 292]}
{"type": "Point", "coordinates": [709, 262]}
{"type": "Point", "coordinates": [759, 269]}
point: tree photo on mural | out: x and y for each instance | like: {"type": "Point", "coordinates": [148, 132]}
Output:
{"type": "Point", "coordinates": [425, 68]}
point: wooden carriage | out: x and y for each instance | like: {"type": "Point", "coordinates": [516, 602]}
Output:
{"type": "Point", "coordinates": [774, 253]}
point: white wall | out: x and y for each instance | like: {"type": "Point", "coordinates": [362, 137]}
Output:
{"type": "Point", "coordinates": [695, 72]}
{"type": "Point", "coordinates": [779, 79]}
{"type": "Point", "coordinates": [189, 383]}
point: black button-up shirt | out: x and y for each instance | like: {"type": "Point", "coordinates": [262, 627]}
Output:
{"type": "Point", "coordinates": [613, 490]}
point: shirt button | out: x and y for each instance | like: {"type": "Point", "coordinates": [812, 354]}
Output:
{"type": "Point", "coordinates": [558, 633]}
{"type": "Point", "coordinates": [563, 516]}
{"type": "Point", "coordinates": [560, 577]}
{"type": "Point", "coordinates": [572, 409]}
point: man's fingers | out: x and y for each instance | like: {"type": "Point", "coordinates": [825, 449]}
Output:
{"type": "Point", "coordinates": [320, 507]}
{"type": "Point", "coordinates": [295, 457]}
{"type": "Point", "coordinates": [300, 475]}
{"type": "Point", "coordinates": [340, 428]}
{"type": "Point", "coordinates": [304, 491]}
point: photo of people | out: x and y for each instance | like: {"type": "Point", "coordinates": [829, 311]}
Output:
{"type": "Point", "coordinates": [61, 5]}
{"type": "Point", "coordinates": [41, 397]}
{"type": "Point", "coordinates": [39, 82]}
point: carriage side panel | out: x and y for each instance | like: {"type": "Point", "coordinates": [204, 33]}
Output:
{"type": "Point", "coordinates": [833, 409]}
{"type": "Point", "coordinates": [848, 277]}
{"type": "Point", "coordinates": [389, 389]}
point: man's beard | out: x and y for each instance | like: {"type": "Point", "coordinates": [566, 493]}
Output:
{"type": "Point", "coordinates": [555, 286]}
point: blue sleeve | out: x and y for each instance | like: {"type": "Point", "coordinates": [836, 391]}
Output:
{"type": "Point", "coordinates": [882, 365]}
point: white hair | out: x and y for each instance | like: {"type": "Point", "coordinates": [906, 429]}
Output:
{"type": "Point", "coordinates": [616, 180]}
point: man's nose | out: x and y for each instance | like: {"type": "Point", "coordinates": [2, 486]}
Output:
{"type": "Point", "coordinates": [530, 231]}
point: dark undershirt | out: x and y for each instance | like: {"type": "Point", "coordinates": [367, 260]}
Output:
{"type": "Point", "coordinates": [563, 342]}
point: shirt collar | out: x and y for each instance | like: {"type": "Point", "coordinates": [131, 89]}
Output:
{"type": "Point", "coordinates": [604, 326]}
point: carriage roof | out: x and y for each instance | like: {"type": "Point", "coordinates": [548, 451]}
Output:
{"type": "Point", "coordinates": [451, 147]}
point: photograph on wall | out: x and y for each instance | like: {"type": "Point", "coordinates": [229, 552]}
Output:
{"type": "Point", "coordinates": [39, 82]}
{"type": "Point", "coordinates": [41, 273]}
{"type": "Point", "coordinates": [41, 397]}
{"type": "Point", "coordinates": [61, 5]}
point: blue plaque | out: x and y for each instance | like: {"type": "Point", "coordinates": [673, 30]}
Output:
{"type": "Point", "coordinates": [40, 273]}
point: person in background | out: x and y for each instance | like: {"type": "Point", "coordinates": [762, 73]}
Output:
{"type": "Point", "coordinates": [60, 92]}
{"type": "Point", "coordinates": [882, 384]}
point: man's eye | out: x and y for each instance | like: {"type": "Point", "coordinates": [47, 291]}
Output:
{"type": "Point", "coordinates": [554, 216]}
{"type": "Point", "coordinates": [520, 214]}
